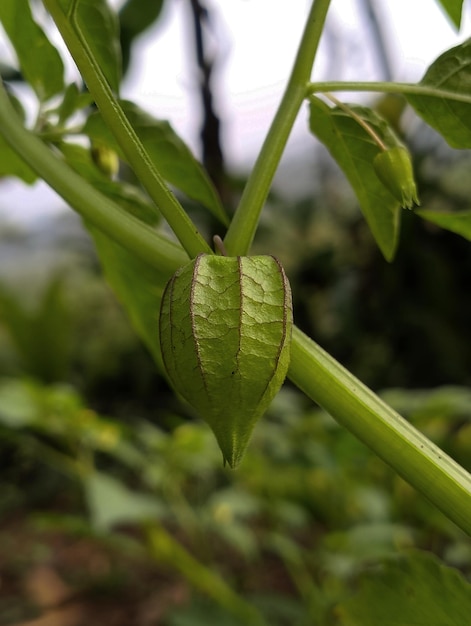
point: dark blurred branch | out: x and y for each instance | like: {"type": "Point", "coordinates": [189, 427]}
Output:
{"type": "Point", "coordinates": [9, 73]}
{"type": "Point", "coordinates": [376, 23]}
{"type": "Point", "coordinates": [210, 134]}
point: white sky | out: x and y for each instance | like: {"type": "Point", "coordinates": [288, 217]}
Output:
{"type": "Point", "coordinates": [257, 41]}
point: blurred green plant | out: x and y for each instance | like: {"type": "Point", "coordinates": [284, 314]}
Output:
{"type": "Point", "coordinates": [333, 510]}
{"type": "Point", "coordinates": [42, 336]}
{"type": "Point", "coordinates": [315, 501]}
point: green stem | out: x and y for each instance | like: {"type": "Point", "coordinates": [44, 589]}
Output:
{"type": "Point", "coordinates": [166, 550]}
{"type": "Point", "coordinates": [361, 122]}
{"type": "Point", "coordinates": [244, 224]}
{"type": "Point", "coordinates": [406, 89]}
{"type": "Point", "coordinates": [420, 462]}
{"type": "Point", "coordinates": [107, 216]}
{"type": "Point", "coordinates": [126, 137]}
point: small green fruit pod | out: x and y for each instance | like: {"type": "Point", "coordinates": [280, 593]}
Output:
{"type": "Point", "coordinates": [225, 335]}
{"type": "Point", "coordinates": [394, 169]}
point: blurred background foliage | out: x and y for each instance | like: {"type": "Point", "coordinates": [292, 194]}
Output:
{"type": "Point", "coordinates": [114, 504]}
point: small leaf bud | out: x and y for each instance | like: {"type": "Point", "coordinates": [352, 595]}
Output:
{"type": "Point", "coordinates": [105, 159]}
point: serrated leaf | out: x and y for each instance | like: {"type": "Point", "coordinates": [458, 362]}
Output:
{"type": "Point", "coordinates": [98, 25]}
{"type": "Point", "coordinates": [459, 222]}
{"type": "Point", "coordinates": [171, 155]}
{"type": "Point", "coordinates": [354, 150]}
{"type": "Point", "coordinates": [413, 589]}
{"type": "Point", "coordinates": [453, 8]}
{"type": "Point", "coordinates": [225, 333]}
{"type": "Point", "coordinates": [40, 63]}
{"type": "Point", "coordinates": [451, 72]}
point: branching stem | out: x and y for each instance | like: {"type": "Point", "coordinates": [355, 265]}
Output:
{"type": "Point", "coordinates": [366, 127]}
{"type": "Point", "coordinates": [244, 224]}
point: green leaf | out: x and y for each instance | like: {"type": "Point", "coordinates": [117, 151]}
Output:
{"type": "Point", "coordinates": [53, 409]}
{"type": "Point", "coordinates": [354, 150]}
{"type": "Point", "coordinates": [171, 155]}
{"type": "Point", "coordinates": [459, 222]}
{"type": "Point", "coordinates": [451, 72]}
{"type": "Point", "coordinates": [225, 333]}
{"type": "Point", "coordinates": [18, 407]}
{"type": "Point", "coordinates": [453, 9]}
{"type": "Point", "coordinates": [72, 101]}
{"type": "Point", "coordinates": [111, 503]}
{"type": "Point", "coordinates": [138, 287]}
{"type": "Point", "coordinates": [11, 164]}
{"type": "Point", "coordinates": [131, 198]}
{"type": "Point", "coordinates": [135, 17]}
{"type": "Point", "coordinates": [415, 589]}
{"type": "Point", "coordinates": [41, 336]}
{"type": "Point", "coordinates": [39, 61]}
{"type": "Point", "coordinates": [95, 22]}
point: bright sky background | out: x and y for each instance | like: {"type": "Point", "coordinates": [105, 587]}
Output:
{"type": "Point", "coordinates": [256, 43]}
{"type": "Point", "coordinates": [257, 40]}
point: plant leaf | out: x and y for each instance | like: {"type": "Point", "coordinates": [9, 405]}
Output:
{"type": "Point", "coordinates": [171, 155]}
{"type": "Point", "coordinates": [42, 331]}
{"type": "Point", "coordinates": [451, 118]}
{"type": "Point", "coordinates": [11, 164]}
{"type": "Point", "coordinates": [73, 100]}
{"type": "Point", "coordinates": [135, 17]}
{"type": "Point", "coordinates": [111, 503]}
{"type": "Point", "coordinates": [453, 8]}
{"type": "Point", "coordinates": [40, 63]}
{"type": "Point", "coordinates": [413, 589]}
{"type": "Point", "coordinates": [96, 24]}
{"type": "Point", "coordinates": [459, 222]}
{"type": "Point", "coordinates": [138, 287]}
{"type": "Point", "coordinates": [17, 404]}
{"type": "Point", "coordinates": [126, 195]}
{"type": "Point", "coordinates": [354, 150]}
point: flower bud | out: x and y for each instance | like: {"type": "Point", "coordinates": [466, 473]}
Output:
{"type": "Point", "coordinates": [394, 169]}
{"type": "Point", "coordinates": [105, 159]}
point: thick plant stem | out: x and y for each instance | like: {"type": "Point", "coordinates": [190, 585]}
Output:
{"type": "Point", "coordinates": [420, 462]}
{"type": "Point", "coordinates": [107, 216]}
{"type": "Point", "coordinates": [126, 137]}
{"type": "Point", "coordinates": [244, 224]}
